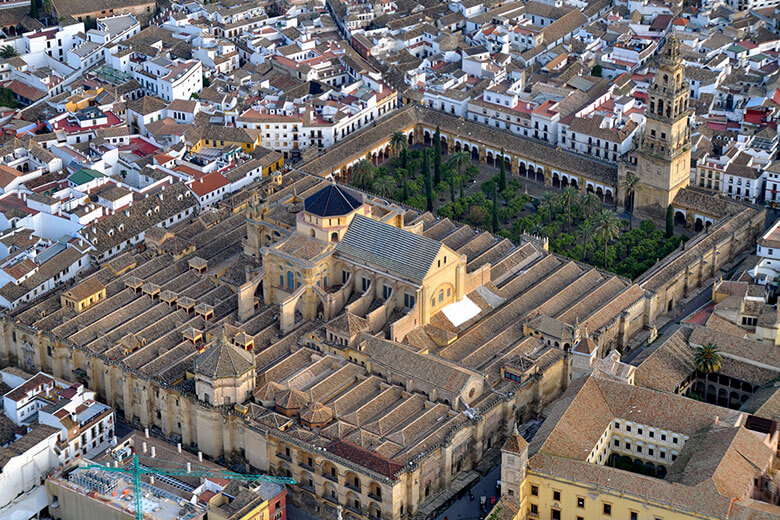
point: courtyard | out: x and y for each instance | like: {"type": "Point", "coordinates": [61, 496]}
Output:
{"type": "Point", "coordinates": [581, 226]}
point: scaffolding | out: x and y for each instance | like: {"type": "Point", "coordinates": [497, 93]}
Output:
{"type": "Point", "coordinates": [98, 481]}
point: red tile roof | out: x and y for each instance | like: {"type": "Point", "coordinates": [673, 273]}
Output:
{"type": "Point", "coordinates": [208, 183]}
{"type": "Point", "coordinates": [366, 458]}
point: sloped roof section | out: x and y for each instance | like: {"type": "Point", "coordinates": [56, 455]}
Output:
{"type": "Point", "coordinates": [331, 201]}
{"type": "Point", "coordinates": [400, 252]}
{"type": "Point", "coordinates": [221, 361]}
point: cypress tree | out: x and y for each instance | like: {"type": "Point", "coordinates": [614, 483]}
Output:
{"type": "Point", "coordinates": [34, 9]}
{"type": "Point", "coordinates": [437, 156]}
{"type": "Point", "coordinates": [495, 209]}
{"type": "Point", "coordinates": [426, 171]}
{"type": "Point", "coordinates": [669, 221]}
{"type": "Point", "coordinates": [460, 183]}
{"type": "Point", "coordinates": [502, 173]}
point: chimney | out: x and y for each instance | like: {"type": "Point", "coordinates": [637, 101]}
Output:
{"type": "Point", "coordinates": [154, 452]}
{"type": "Point", "coordinates": [178, 447]}
{"type": "Point", "coordinates": [146, 432]}
{"type": "Point", "coordinates": [189, 467]}
{"type": "Point", "coordinates": [151, 478]}
{"type": "Point", "coordinates": [200, 456]}
{"type": "Point", "coordinates": [143, 447]}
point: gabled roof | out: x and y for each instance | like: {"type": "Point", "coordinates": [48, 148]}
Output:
{"type": "Point", "coordinates": [331, 201]}
{"type": "Point", "coordinates": [222, 360]}
{"type": "Point", "coordinates": [400, 252]}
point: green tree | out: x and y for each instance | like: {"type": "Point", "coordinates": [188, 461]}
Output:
{"type": "Point", "coordinates": [363, 174]}
{"type": "Point", "coordinates": [502, 173]}
{"type": "Point", "coordinates": [426, 171]}
{"type": "Point", "coordinates": [584, 236]}
{"type": "Point", "coordinates": [452, 187]}
{"type": "Point", "coordinates": [596, 71]}
{"type": "Point", "coordinates": [589, 204]}
{"type": "Point", "coordinates": [459, 161]}
{"type": "Point", "coordinates": [34, 9]}
{"type": "Point", "coordinates": [547, 205]}
{"type": "Point", "coordinates": [632, 184]}
{"type": "Point", "coordinates": [404, 159]}
{"type": "Point", "coordinates": [403, 174]}
{"type": "Point", "coordinates": [477, 215]}
{"type": "Point", "coordinates": [48, 6]}
{"type": "Point", "coordinates": [607, 227]}
{"type": "Point", "coordinates": [398, 143]}
{"type": "Point", "coordinates": [460, 185]}
{"type": "Point", "coordinates": [7, 51]}
{"type": "Point", "coordinates": [567, 199]}
{"type": "Point", "coordinates": [669, 221]}
{"type": "Point", "coordinates": [437, 156]}
{"type": "Point", "coordinates": [494, 211]}
{"type": "Point", "coordinates": [707, 359]}
{"type": "Point", "coordinates": [7, 98]}
{"type": "Point", "coordinates": [384, 186]}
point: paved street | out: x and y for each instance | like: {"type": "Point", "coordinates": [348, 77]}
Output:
{"type": "Point", "coordinates": [465, 509]}
{"type": "Point", "coordinates": [293, 513]}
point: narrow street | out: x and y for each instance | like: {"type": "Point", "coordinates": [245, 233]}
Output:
{"type": "Point", "coordinates": [466, 509]}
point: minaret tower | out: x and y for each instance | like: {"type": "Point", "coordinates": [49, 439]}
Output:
{"type": "Point", "coordinates": [664, 159]}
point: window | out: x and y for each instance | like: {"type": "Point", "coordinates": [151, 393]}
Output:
{"type": "Point", "coordinates": [628, 445]}
{"type": "Point", "coordinates": [628, 427]}
{"type": "Point", "coordinates": [556, 495]}
{"type": "Point", "coordinates": [639, 431]}
{"type": "Point", "coordinates": [607, 509]}
{"type": "Point", "coordinates": [534, 491]}
{"type": "Point", "coordinates": [617, 425]}
{"type": "Point", "coordinates": [634, 515]}
{"type": "Point", "coordinates": [556, 514]}
{"type": "Point", "coordinates": [617, 443]}
{"type": "Point", "coordinates": [534, 509]}
{"type": "Point", "coordinates": [580, 502]}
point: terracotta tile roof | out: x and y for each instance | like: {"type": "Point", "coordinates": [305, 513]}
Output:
{"type": "Point", "coordinates": [208, 183]}
{"type": "Point", "coordinates": [364, 457]}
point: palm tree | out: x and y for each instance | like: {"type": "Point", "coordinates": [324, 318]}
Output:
{"type": "Point", "coordinates": [48, 6]}
{"type": "Point", "coordinates": [568, 197]}
{"type": "Point", "coordinates": [632, 184]}
{"type": "Point", "coordinates": [384, 186]}
{"type": "Point", "coordinates": [363, 174]}
{"type": "Point", "coordinates": [584, 235]}
{"type": "Point", "coordinates": [7, 51]}
{"type": "Point", "coordinates": [548, 204]}
{"type": "Point", "coordinates": [707, 359]}
{"type": "Point", "coordinates": [537, 229]}
{"type": "Point", "coordinates": [459, 161]}
{"type": "Point", "coordinates": [607, 227]}
{"type": "Point", "coordinates": [590, 204]}
{"type": "Point", "coordinates": [398, 142]}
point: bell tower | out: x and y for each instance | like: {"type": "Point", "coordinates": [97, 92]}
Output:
{"type": "Point", "coordinates": [664, 157]}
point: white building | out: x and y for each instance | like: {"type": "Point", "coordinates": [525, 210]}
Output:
{"type": "Point", "coordinates": [170, 79]}
{"type": "Point", "coordinates": [85, 427]}
{"type": "Point", "coordinates": [768, 250]}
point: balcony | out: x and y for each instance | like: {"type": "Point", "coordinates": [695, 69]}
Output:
{"type": "Point", "coordinates": [354, 509]}
{"type": "Point", "coordinates": [333, 500]}
{"type": "Point", "coordinates": [308, 488]}
{"type": "Point", "coordinates": [332, 478]}
{"type": "Point", "coordinates": [305, 466]}
{"type": "Point", "coordinates": [284, 457]}
{"type": "Point", "coordinates": [353, 487]}
{"type": "Point", "coordinates": [374, 497]}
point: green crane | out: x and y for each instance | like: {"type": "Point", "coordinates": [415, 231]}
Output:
{"type": "Point", "coordinates": [136, 469]}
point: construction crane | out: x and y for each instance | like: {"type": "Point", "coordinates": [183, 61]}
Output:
{"type": "Point", "coordinates": [136, 469]}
